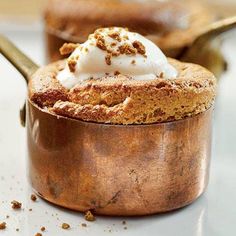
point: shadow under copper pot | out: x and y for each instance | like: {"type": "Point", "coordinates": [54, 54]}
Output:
{"type": "Point", "coordinates": [118, 169]}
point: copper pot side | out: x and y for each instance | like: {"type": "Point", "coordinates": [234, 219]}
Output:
{"type": "Point", "coordinates": [115, 169]}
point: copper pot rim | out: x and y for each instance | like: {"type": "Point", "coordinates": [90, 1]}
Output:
{"type": "Point", "coordinates": [114, 125]}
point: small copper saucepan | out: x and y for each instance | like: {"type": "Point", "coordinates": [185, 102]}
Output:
{"type": "Point", "coordinates": [113, 169]}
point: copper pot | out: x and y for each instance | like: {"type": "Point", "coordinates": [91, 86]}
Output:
{"type": "Point", "coordinates": [114, 169]}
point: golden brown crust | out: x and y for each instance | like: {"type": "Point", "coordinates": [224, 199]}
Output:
{"type": "Point", "coordinates": [162, 22]}
{"type": "Point", "coordinates": [122, 100]}
{"type": "Point", "coordinates": [44, 88]}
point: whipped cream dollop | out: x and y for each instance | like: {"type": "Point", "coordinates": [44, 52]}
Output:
{"type": "Point", "coordinates": [114, 51]}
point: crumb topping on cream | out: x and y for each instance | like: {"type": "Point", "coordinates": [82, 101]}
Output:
{"type": "Point", "coordinates": [111, 52]}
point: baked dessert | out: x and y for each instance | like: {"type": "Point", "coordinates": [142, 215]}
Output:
{"type": "Point", "coordinates": [120, 77]}
{"type": "Point", "coordinates": [172, 25]}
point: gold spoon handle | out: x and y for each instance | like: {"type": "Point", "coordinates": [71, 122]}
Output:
{"type": "Point", "coordinates": [17, 58]}
{"type": "Point", "coordinates": [217, 28]}
{"type": "Point", "coordinates": [214, 30]}
{"type": "Point", "coordinates": [21, 62]}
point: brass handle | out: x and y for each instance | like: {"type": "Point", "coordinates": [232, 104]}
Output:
{"type": "Point", "coordinates": [214, 30]}
{"type": "Point", "coordinates": [21, 62]}
{"type": "Point", "coordinates": [17, 58]}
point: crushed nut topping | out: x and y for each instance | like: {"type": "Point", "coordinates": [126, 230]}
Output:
{"type": "Point", "coordinates": [124, 48]}
{"type": "Point", "coordinates": [96, 35]}
{"type": "Point", "coordinates": [101, 43]}
{"type": "Point", "coordinates": [115, 54]}
{"type": "Point", "coordinates": [139, 46]}
{"type": "Point", "coordinates": [68, 48]}
{"type": "Point", "coordinates": [72, 64]}
{"type": "Point", "coordinates": [113, 44]}
{"type": "Point", "coordinates": [115, 35]}
{"type": "Point", "coordinates": [127, 49]}
{"type": "Point", "coordinates": [108, 59]}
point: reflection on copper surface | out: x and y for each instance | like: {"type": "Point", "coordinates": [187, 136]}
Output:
{"type": "Point", "coordinates": [118, 169]}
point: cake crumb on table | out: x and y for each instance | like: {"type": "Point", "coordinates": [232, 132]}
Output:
{"type": "Point", "coordinates": [16, 204]}
{"type": "Point", "coordinates": [65, 226]}
{"type": "Point", "coordinates": [38, 234]}
{"type": "Point", "coordinates": [108, 59]}
{"type": "Point", "coordinates": [89, 216]}
{"type": "Point", "coordinates": [43, 229]}
{"type": "Point", "coordinates": [84, 225]}
{"type": "Point", "coordinates": [33, 197]}
{"type": "Point", "coordinates": [3, 225]}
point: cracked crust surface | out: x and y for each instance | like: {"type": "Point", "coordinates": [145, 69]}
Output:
{"type": "Point", "coordinates": [122, 100]}
{"type": "Point", "coordinates": [162, 22]}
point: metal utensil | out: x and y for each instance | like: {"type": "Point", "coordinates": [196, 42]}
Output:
{"type": "Point", "coordinates": [205, 49]}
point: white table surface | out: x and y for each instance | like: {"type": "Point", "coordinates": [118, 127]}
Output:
{"type": "Point", "coordinates": [214, 214]}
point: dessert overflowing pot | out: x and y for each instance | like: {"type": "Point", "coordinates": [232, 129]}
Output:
{"type": "Point", "coordinates": [117, 128]}
{"type": "Point", "coordinates": [176, 27]}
